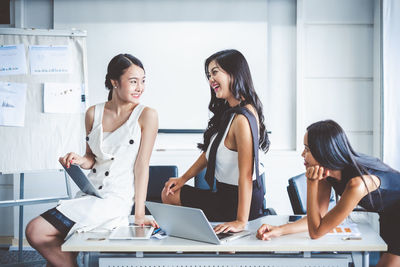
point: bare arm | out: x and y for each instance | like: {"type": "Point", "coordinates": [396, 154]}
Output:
{"type": "Point", "coordinates": [319, 225]}
{"type": "Point", "coordinates": [86, 161]}
{"type": "Point", "coordinates": [266, 232]}
{"type": "Point", "coordinates": [243, 138]}
{"type": "Point", "coordinates": [197, 166]}
{"type": "Point", "coordinates": [244, 144]}
{"type": "Point", "coordinates": [149, 126]}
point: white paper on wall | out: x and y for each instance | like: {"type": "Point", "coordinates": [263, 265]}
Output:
{"type": "Point", "coordinates": [12, 59]}
{"type": "Point", "coordinates": [49, 59]}
{"type": "Point", "coordinates": [63, 98]}
{"type": "Point", "coordinates": [12, 104]}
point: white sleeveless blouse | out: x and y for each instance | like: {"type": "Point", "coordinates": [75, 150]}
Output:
{"type": "Point", "coordinates": [227, 161]}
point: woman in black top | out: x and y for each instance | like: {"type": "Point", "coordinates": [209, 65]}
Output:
{"type": "Point", "coordinates": [358, 179]}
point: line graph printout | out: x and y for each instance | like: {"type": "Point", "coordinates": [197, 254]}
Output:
{"type": "Point", "coordinates": [12, 60]}
{"type": "Point", "coordinates": [49, 59]}
{"type": "Point", "coordinates": [12, 104]}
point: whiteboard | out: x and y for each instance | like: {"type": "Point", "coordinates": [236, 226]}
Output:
{"type": "Point", "coordinates": [173, 54]}
{"type": "Point", "coordinates": [44, 137]}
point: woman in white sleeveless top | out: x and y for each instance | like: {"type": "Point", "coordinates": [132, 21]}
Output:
{"type": "Point", "coordinates": [120, 138]}
{"type": "Point", "coordinates": [239, 197]}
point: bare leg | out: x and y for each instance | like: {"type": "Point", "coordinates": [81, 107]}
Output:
{"type": "Point", "coordinates": [174, 199]}
{"type": "Point", "coordinates": [47, 240]}
{"type": "Point", "coordinates": [389, 260]}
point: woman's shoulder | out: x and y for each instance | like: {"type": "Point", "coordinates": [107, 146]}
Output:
{"type": "Point", "coordinates": [90, 113]}
{"type": "Point", "coordinates": [91, 109]}
{"type": "Point", "coordinates": [251, 109]}
{"type": "Point", "coordinates": [149, 111]}
{"type": "Point", "coordinates": [241, 120]}
{"type": "Point", "coordinates": [148, 115]}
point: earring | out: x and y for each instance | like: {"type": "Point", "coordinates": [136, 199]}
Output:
{"type": "Point", "coordinates": [115, 87]}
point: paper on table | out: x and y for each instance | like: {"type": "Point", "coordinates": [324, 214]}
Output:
{"type": "Point", "coordinates": [345, 229]}
{"type": "Point", "coordinates": [12, 59]}
{"type": "Point", "coordinates": [63, 98]}
{"type": "Point", "coordinates": [12, 104]}
{"type": "Point", "coordinates": [53, 59]}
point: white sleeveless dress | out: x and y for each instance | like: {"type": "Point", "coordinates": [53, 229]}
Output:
{"type": "Point", "coordinates": [112, 174]}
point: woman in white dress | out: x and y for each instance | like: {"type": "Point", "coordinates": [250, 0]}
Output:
{"type": "Point", "coordinates": [120, 138]}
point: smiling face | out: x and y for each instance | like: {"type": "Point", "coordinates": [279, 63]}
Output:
{"type": "Point", "coordinates": [130, 85]}
{"type": "Point", "coordinates": [308, 157]}
{"type": "Point", "coordinates": [219, 81]}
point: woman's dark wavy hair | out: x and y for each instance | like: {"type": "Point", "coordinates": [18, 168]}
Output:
{"type": "Point", "coordinates": [117, 67]}
{"type": "Point", "coordinates": [241, 87]}
{"type": "Point", "coordinates": [330, 147]}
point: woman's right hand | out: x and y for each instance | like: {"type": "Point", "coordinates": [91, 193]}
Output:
{"type": "Point", "coordinates": [266, 232]}
{"type": "Point", "coordinates": [71, 158]}
{"type": "Point", "coordinates": [173, 184]}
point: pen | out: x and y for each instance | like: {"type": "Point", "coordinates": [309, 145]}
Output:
{"type": "Point", "coordinates": [157, 230]}
{"type": "Point", "coordinates": [352, 238]}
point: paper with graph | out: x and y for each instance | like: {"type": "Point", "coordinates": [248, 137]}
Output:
{"type": "Point", "coordinates": [63, 98]}
{"type": "Point", "coordinates": [12, 104]}
{"type": "Point", "coordinates": [49, 59]}
{"type": "Point", "coordinates": [12, 59]}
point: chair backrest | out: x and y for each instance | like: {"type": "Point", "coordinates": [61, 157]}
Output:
{"type": "Point", "coordinates": [297, 191]}
{"type": "Point", "coordinates": [200, 181]}
{"type": "Point", "coordinates": [158, 176]}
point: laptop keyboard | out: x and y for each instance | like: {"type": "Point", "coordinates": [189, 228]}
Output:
{"type": "Point", "coordinates": [224, 235]}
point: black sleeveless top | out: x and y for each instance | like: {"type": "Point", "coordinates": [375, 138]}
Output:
{"type": "Point", "coordinates": [387, 202]}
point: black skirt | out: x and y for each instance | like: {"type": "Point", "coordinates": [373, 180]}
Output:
{"type": "Point", "coordinates": [58, 220]}
{"type": "Point", "coordinates": [222, 205]}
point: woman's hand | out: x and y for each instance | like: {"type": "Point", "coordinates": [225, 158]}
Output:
{"type": "Point", "coordinates": [266, 232]}
{"type": "Point", "coordinates": [235, 226]}
{"type": "Point", "coordinates": [173, 185]}
{"type": "Point", "coordinates": [143, 220]}
{"type": "Point", "coordinates": [316, 173]}
{"type": "Point", "coordinates": [71, 158]}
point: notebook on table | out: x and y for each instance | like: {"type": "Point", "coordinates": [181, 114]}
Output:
{"type": "Point", "coordinates": [188, 223]}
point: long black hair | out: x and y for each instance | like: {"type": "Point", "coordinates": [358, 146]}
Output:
{"type": "Point", "coordinates": [330, 147]}
{"type": "Point", "coordinates": [241, 87]}
{"type": "Point", "coordinates": [117, 67]}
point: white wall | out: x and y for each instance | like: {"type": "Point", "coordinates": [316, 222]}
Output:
{"type": "Point", "coordinates": [278, 95]}
{"type": "Point", "coordinates": [336, 59]}
{"type": "Point", "coordinates": [327, 56]}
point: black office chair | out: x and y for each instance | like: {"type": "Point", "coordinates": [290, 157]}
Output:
{"type": "Point", "coordinates": [158, 176]}
{"type": "Point", "coordinates": [200, 182]}
{"type": "Point", "coordinates": [297, 191]}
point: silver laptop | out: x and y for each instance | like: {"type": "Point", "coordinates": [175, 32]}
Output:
{"type": "Point", "coordinates": [84, 184]}
{"type": "Point", "coordinates": [189, 223]}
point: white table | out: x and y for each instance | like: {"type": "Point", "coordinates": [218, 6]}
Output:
{"type": "Point", "coordinates": [290, 250]}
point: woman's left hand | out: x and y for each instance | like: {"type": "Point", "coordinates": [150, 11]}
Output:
{"type": "Point", "coordinates": [141, 221]}
{"type": "Point", "coordinates": [235, 226]}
